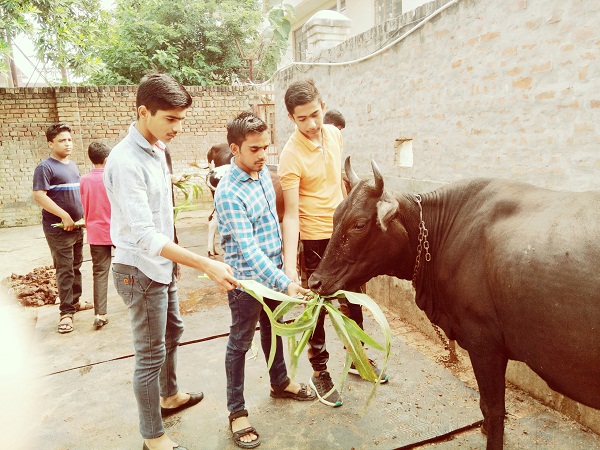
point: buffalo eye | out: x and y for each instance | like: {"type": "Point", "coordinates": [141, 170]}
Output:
{"type": "Point", "coordinates": [359, 225]}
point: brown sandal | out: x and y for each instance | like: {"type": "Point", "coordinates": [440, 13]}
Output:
{"type": "Point", "coordinates": [302, 395]}
{"type": "Point", "coordinates": [243, 432]}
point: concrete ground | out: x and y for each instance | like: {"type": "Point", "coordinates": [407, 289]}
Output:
{"type": "Point", "coordinates": [74, 391]}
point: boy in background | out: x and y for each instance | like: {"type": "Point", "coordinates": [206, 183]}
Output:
{"type": "Point", "coordinates": [96, 210]}
{"type": "Point", "coordinates": [335, 118]}
{"type": "Point", "coordinates": [56, 190]}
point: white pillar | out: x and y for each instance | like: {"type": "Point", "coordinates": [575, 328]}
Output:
{"type": "Point", "coordinates": [324, 30]}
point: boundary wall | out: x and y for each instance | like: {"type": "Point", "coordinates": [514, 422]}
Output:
{"type": "Point", "coordinates": [483, 88]}
{"type": "Point", "coordinates": [97, 113]}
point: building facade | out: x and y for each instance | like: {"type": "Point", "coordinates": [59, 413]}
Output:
{"type": "Point", "coordinates": [364, 14]}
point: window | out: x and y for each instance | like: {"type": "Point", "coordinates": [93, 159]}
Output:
{"type": "Point", "coordinates": [300, 45]}
{"type": "Point", "coordinates": [403, 152]}
{"type": "Point", "coordinates": [386, 10]}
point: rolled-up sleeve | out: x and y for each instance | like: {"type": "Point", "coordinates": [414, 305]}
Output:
{"type": "Point", "coordinates": [235, 225]}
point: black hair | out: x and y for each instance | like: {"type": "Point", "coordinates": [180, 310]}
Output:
{"type": "Point", "coordinates": [334, 117]}
{"type": "Point", "coordinates": [300, 93]}
{"type": "Point", "coordinates": [160, 91]}
{"type": "Point", "coordinates": [98, 152]}
{"type": "Point", "coordinates": [55, 129]}
{"type": "Point", "coordinates": [246, 122]}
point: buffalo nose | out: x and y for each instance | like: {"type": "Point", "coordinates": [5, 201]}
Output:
{"type": "Point", "coordinates": [314, 284]}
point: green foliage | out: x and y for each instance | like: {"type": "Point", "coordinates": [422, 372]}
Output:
{"type": "Point", "coordinates": [67, 34]}
{"type": "Point", "coordinates": [280, 17]}
{"type": "Point", "coordinates": [191, 193]}
{"type": "Point", "coordinates": [64, 32]}
{"type": "Point", "coordinates": [79, 224]}
{"type": "Point", "coordinates": [12, 22]}
{"type": "Point", "coordinates": [347, 330]}
{"type": "Point", "coordinates": [195, 41]}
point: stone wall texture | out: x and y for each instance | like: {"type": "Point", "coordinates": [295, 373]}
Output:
{"type": "Point", "coordinates": [484, 88]}
{"type": "Point", "coordinates": [103, 114]}
{"type": "Point", "coordinates": [505, 89]}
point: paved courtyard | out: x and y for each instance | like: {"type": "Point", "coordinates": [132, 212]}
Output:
{"type": "Point", "coordinates": [74, 391]}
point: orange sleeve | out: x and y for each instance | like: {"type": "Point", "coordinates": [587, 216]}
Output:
{"type": "Point", "coordinates": [289, 170]}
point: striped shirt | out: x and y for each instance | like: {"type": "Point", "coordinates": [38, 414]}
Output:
{"type": "Point", "coordinates": [249, 228]}
{"type": "Point", "coordinates": [61, 183]}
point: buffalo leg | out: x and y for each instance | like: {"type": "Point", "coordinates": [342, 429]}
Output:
{"type": "Point", "coordinates": [490, 372]}
{"type": "Point", "coordinates": [212, 230]}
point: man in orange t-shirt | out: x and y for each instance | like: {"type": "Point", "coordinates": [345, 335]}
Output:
{"type": "Point", "coordinates": [310, 169]}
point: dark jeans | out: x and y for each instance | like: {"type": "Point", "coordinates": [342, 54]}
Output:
{"type": "Point", "coordinates": [101, 255]}
{"type": "Point", "coordinates": [66, 248]}
{"type": "Point", "coordinates": [317, 353]}
{"type": "Point", "coordinates": [246, 311]}
{"type": "Point", "coordinates": [157, 327]}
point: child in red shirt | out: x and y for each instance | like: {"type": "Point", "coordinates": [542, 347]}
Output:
{"type": "Point", "coordinates": [96, 210]}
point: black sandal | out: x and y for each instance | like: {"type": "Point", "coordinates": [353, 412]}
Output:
{"type": "Point", "coordinates": [302, 395]}
{"type": "Point", "coordinates": [243, 432]}
{"type": "Point", "coordinates": [65, 324]}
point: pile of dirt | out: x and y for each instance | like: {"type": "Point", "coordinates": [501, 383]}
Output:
{"type": "Point", "coordinates": [37, 288]}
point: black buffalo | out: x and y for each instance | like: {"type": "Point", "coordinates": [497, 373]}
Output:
{"type": "Point", "coordinates": [508, 270]}
{"type": "Point", "coordinates": [218, 157]}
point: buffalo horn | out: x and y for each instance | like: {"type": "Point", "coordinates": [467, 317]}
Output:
{"type": "Point", "coordinates": [350, 173]}
{"type": "Point", "coordinates": [378, 177]}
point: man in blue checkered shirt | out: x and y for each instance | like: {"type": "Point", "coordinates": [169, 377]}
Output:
{"type": "Point", "coordinates": [251, 239]}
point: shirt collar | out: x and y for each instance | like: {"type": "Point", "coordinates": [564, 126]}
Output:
{"type": "Point", "coordinates": [241, 176]}
{"type": "Point", "coordinates": [310, 145]}
{"type": "Point", "coordinates": [141, 141]}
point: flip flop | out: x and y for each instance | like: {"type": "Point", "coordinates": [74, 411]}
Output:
{"type": "Point", "coordinates": [244, 432]}
{"type": "Point", "coordinates": [302, 395]}
{"type": "Point", "coordinates": [179, 447]}
{"type": "Point", "coordinates": [65, 325]}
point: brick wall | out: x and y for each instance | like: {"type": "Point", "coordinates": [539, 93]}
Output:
{"type": "Point", "coordinates": [97, 114]}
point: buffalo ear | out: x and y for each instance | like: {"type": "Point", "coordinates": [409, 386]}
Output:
{"type": "Point", "coordinates": [387, 207]}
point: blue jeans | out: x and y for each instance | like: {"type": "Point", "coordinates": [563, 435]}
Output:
{"type": "Point", "coordinates": [66, 248]}
{"type": "Point", "coordinates": [157, 328]}
{"type": "Point", "coordinates": [246, 311]}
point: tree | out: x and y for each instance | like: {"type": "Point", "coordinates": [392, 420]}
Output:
{"type": "Point", "coordinates": [279, 15]}
{"type": "Point", "coordinates": [193, 40]}
{"type": "Point", "coordinates": [12, 22]}
{"type": "Point", "coordinates": [64, 32]}
{"type": "Point", "coordinates": [67, 34]}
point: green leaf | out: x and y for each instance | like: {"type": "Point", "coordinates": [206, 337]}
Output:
{"type": "Point", "coordinates": [351, 335]}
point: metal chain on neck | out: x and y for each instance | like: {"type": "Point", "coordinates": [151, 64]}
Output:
{"type": "Point", "coordinates": [452, 357]}
{"type": "Point", "coordinates": [423, 242]}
